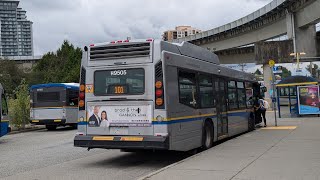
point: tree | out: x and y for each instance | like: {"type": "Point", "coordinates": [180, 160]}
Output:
{"type": "Point", "coordinates": [314, 70]}
{"type": "Point", "coordinates": [10, 75]}
{"type": "Point", "coordinates": [58, 67]}
{"type": "Point", "coordinates": [285, 72]}
{"type": "Point", "coordinates": [20, 107]}
{"type": "Point", "coordinates": [258, 72]}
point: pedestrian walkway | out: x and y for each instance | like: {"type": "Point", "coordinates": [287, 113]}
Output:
{"type": "Point", "coordinates": [290, 151]}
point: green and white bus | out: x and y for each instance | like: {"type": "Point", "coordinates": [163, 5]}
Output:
{"type": "Point", "coordinates": [150, 94]}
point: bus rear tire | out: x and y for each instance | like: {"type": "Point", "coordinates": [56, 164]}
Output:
{"type": "Point", "coordinates": [207, 135]}
{"type": "Point", "coordinates": [51, 127]}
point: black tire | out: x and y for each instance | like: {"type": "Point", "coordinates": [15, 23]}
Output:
{"type": "Point", "coordinates": [51, 127]}
{"type": "Point", "coordinates": [207, 135]}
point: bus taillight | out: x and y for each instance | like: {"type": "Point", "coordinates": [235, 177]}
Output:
{"type": "Point", "coordinates": [82, 89]}
{"type": "Point", "coordinates": [159, 92]}
{"type": "Point", "coordinates": [159, 87]}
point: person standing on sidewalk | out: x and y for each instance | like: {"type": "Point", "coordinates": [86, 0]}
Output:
{"type": "Point", "coordinates": [263, 106]}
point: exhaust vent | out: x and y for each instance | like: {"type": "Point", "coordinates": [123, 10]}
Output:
{"type": "Point", "coordinates": [116, 51]}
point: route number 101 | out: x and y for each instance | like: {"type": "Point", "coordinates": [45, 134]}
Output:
{"type": "Point", "coordinates": [119, 89]}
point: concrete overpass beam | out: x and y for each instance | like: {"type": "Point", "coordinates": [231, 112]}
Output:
{"type": "Point", "coordinates": [306, 40]}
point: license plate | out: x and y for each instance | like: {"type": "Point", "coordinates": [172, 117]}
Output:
{"type": "Point", "coordinates": [119, 130]}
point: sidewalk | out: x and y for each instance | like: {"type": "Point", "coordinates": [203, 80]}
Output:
{"type": "Point", "coordinates": [28, 128]}
{"type": "Point", "coordinates": [291, 151]}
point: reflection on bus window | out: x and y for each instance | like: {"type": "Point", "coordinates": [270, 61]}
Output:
{"type": "Point", "coordinates": [73, 98]}
{"type": "Point", "coordinates": [241, 95]}
{"type": "Point", "coordinates": [206, 91]}
{"type": "Point", "coordinates": [232, 96]}
{"type": "Point", "coordinates": [187, 89]}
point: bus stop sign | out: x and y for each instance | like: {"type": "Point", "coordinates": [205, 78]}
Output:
{"type": "Point", "coordinates": [271, 63]}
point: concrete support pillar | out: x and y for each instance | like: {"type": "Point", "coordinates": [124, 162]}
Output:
{"type": "Point", "coordinates": [304, 38]}
{"type": "Point", "coordinates": [267, 74]}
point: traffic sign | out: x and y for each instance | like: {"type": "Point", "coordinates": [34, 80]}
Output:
{"type": "Point", "coordinates": [271, 63]}
{"type": "Point", "coordinates": [277, 69]}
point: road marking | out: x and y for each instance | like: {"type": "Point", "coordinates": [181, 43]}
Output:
{"type": "Point", "coordinates": [280, 128]}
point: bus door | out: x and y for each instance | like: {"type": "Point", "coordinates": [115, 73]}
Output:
{"type": "Point", "coordinates": [222, 114]}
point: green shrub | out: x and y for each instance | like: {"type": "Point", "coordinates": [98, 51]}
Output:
{"type": "Point", "coordinates": [19, 108]}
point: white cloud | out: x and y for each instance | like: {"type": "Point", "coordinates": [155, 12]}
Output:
{"type": "Point", "coordinates": [86, 21]}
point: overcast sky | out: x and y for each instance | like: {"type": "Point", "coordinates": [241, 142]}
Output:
{"type": "Point", "coordinates": [83, 22]}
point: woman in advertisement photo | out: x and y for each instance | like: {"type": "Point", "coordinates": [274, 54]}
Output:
{"type": "Point", "coordinates": [104, 120]}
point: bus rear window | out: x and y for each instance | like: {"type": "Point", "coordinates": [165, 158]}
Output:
{"type": "Point", "coordinates": [119, 82]}
{"type": "Point", "coordinates": [48, 96]}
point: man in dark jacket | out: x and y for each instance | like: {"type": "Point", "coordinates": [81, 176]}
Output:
{"type": "Point", "coordinates": [94, 120]}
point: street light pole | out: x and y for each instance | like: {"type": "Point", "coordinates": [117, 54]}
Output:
{"type": "Point", "coordinates": [297, 55]}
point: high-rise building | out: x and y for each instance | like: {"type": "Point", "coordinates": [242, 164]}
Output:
{"type": "Point", "coordinates": [179, 32]}
{"type": "Point", "coordinates": [16, 37]}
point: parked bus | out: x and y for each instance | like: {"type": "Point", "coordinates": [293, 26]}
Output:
{"type": "Point", "coordinates": [150, 94]}
{"type": "Point", "coordinates": [54, 104]}
{"type": "Point", "coordinates": [4, 119]}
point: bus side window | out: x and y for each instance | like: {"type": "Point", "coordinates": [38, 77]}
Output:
{"type": "Point", "coordinates": [241, 95]}
{"type": "Point", "coordinates": [4, 105]}
{"type": "Point", "coordinates": [73, 98]}
{"type": "Point", "coordinates": [187, 89]}
{"type": "Point", "coordinates": [206, 91]}
{"type": "Point", "coordinates": [232, 95]}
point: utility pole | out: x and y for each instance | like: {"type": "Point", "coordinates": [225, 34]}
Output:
{"type": "Point", "coordinates": [242, 65]}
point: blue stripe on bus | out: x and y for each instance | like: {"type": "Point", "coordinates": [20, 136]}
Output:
{"type": "Point", "coordinates": [195, 119]}
{"type": "Point", "coordinates": [82, 123]}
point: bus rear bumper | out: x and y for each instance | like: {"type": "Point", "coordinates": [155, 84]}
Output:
{"type": "Point", "coordinates": [48, 122]}
{"type": "Point", "coordinates": [122, 142]}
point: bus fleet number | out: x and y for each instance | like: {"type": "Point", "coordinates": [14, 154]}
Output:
{"type": "Point", "coordinates": [119, 73]}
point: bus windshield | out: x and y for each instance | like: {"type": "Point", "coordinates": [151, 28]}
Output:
{"type": "Point", "coordinates": [48, 96]}
{"type": "Point", "coordinates": [118, 82]}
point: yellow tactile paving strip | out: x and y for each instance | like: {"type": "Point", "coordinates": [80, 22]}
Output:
{"type": "Point", "coordinates": [280, 128]}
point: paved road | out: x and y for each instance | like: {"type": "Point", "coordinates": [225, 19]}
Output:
{"type": "Point", "coordinates": [50, 155]}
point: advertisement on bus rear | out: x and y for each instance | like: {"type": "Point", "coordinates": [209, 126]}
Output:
{"type": "Point", "coordinates": [120, 116]}
{"type": "Point", "coordinates": [308, 100]}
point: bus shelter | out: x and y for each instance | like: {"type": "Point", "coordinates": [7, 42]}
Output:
{"type": "Point", "coordinates": [287, 92]}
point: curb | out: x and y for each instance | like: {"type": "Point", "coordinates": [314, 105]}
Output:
{"type": "Point", "coordinates": [146, 177]}
{"type": "Point", "coordinates": [26, 130]}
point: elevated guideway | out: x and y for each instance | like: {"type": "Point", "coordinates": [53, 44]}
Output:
{"type": "Point", "coordinates": [294, 18]}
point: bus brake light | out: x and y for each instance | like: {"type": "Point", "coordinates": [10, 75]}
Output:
{"type": "Point", "coordinates": [159, 92]}
{"type": "Point", "coordinates": [81, 95]}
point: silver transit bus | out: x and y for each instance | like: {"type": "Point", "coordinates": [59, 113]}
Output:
{"type": "Point", "coordinates": [150, 94]}
{"type": "Point", "coordinates": [4, 119]}
{"type": "Point", "coordinates": [54, 104]}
